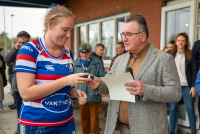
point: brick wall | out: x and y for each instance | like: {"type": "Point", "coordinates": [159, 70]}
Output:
{"type": "Point", "coordinates": [86, 10]}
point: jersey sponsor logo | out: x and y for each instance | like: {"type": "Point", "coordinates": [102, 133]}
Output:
{"type": "Point", "coordinates": [28, 48]}
{"type": "Point", "coordinates": [50, 67]}
{"type": "Point", "coordinates": [57, 103]}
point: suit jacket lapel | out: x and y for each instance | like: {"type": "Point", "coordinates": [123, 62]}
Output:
{"type": "Point", "coordinates": [125, 63]}
{"type": "Point", "coordinates": [149, 58]}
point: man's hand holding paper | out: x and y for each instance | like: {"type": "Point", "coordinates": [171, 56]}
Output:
{"type": "Point", "coordinates": [137, 87]}
{"type": "Point", "coordinates": [116, 86]}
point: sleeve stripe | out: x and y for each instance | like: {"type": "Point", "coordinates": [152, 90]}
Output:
{"type": "Point", "coordinates": [26, 57]}
{"type": "Point", "coordinates": [38, 81]}
{"type": "Point", "coordinates": [18, 69]}
{"type": "Point", "coordinates": [26, 63]}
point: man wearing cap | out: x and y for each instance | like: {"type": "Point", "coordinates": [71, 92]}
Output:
{"type": "Point", "coordinates": [23, 37]}
{"type": "Point", "coordinates": [89, 112]}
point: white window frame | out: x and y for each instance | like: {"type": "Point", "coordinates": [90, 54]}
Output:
{"type": "Point", "coordinates": [99, 21]}
{"type": "Point", "coordinates": [193, 20]}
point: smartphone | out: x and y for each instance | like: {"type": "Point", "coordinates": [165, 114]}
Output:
{"type": "Point", "coordinates": [88, 76]}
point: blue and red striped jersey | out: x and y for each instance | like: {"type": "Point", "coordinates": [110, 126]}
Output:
{"type": "Point", "coordinates": [55, 109]}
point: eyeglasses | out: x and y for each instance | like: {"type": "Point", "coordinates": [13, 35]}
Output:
{"type": "Point", "coordinates": [127, 35]}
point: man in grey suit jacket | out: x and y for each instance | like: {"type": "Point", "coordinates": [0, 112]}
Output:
{"type": "Point", "coordinates": [156, 82]}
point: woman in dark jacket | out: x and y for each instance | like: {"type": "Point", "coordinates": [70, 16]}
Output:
{"type": "Point", "coordinates": [187, 70]}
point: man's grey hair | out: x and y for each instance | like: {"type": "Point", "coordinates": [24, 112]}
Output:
{"type": "Point", "coordinates": [99, 44]}
{"type": "Point", "coordinates": [140, 19]}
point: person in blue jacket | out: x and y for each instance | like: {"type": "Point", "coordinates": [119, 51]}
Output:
{"type": "Point", "coordinates": [186, 65]}
{"type": "Point", "coordinates": [89, 112]}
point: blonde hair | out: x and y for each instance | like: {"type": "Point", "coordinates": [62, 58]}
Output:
{"type": "Point", "coordinates": [54, 15]}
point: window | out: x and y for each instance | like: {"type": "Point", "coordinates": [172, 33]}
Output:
{"type": "Point", "coordinates": [105, 30]}
{"type": "Point", "coordinates": [82, 35]}
{"type": "Point", "coordinates": [107, 39]}
{"type": "Point", "coordinates": [177, 21]}
{"type": "Point", "coordinates": [93, 35]}
{"type": "Point", "coordinates": [177, 18]}
{"type": "Point", "coordinates": [121, 22]}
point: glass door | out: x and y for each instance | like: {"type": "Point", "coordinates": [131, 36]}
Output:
{"type": "Point", "coordinates": [177, 18]}
{"type": "Point", "coordinates": [177, 21]}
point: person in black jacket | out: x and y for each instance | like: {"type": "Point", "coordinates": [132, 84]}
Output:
{"type": "Point", "coordinates": [186, 65]}
{"type": "Point", "coordinates": [99, 50]}
{"type": "Point", "coordinates": [2, 69]}
{"type": "Point", "coordinates": [3, 81]}
{"type": "Point", "coordinates": [23, 37]}
{"type": "Point", "coordinates": [196, 51]}
{"type": "Point", "coordinates": [12, 106]}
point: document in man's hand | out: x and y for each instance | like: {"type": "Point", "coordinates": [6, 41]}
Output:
{"type": "Point", "coordinates": [116, 87]}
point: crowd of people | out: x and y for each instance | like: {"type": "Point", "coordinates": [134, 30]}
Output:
{"type": "Point", "coordinates": [45, 79]}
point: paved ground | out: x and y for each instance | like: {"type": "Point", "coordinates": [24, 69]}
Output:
{"type": "Point", "coordinates": [8, 120]}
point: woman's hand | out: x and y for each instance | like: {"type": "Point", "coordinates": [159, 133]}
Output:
{"type": "Point", "coordinates": [93, 84]}
{"type": "Point", "coordinates": [76, 93]}
{"type": "Point", "coordinates": [29, 91]}
{"type": "Point", "coordinates": [82, 97]}
{"type": "Point", "coordinates": [193, 92]}
{"type": "Point", "coordinates": [77, 79]}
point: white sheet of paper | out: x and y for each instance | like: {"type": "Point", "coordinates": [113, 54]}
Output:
{"type": "Point", "coordinates": [116, 87]}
